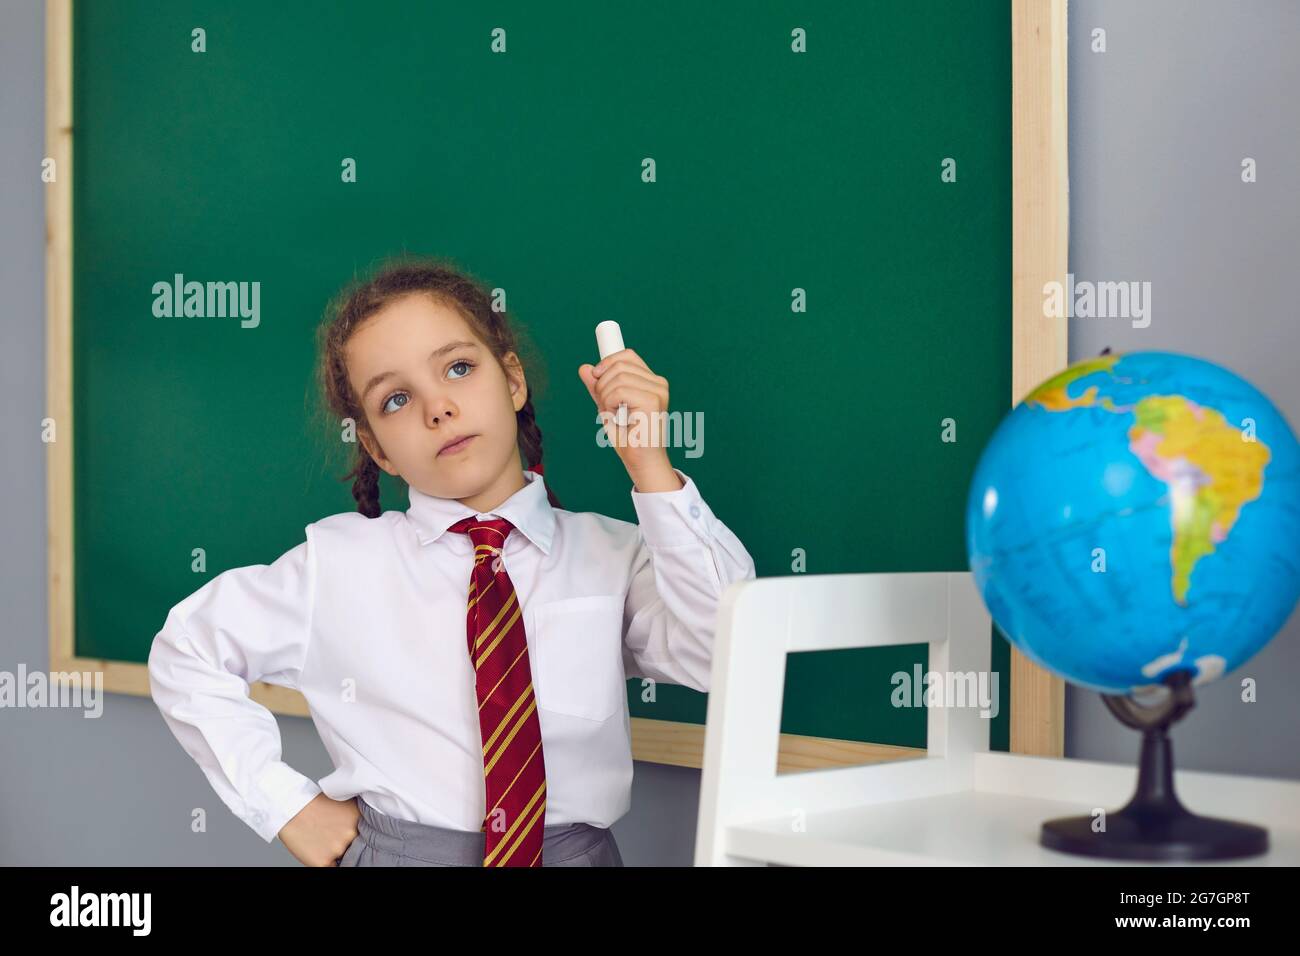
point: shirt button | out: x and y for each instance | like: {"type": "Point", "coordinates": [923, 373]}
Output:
{"type": "Point", "coordinates": [695, 511]}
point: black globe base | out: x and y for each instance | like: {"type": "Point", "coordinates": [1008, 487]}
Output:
{"type": "Point", "coordinates": [1153, 825]}
{"type": "Point", "coordinates": [1137, 836]}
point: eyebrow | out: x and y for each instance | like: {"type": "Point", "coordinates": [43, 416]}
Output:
{"type": "Point", "coordinates": [443, 350]}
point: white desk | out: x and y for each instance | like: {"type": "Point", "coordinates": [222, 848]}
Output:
{"type": "Point", "coordinates": [961, 804]}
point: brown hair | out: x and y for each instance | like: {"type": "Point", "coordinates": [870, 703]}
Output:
{"type": "Point", "coordinates": [396, 277]}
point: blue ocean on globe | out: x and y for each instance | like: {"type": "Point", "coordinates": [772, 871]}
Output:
{"type": "Point", "coordinates": [1137, 515]}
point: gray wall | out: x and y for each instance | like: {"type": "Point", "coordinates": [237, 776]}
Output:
{"type": "Point", "coordinates": [1158, 126]}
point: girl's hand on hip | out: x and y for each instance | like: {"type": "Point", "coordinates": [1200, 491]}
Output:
{"type": "Point", "coordinates": [321, 832]}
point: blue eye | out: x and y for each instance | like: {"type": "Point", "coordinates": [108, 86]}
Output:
{"type": "Point", "coordinates": [384, 407]}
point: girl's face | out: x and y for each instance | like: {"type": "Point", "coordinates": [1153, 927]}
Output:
{"type": "Point", "coordinates": [424, 379]}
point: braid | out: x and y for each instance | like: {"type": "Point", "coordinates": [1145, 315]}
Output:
{"type": "Point", "coordinates": [530, 443]}
{"type": "Point", "coordinates": [530, 436]}
{"type": "Point", "coordinates": [365, 489]}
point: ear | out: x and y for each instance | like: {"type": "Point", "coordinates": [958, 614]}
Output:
{"type": "Point", "coordinates": [375, 452]}
{"type": "Point", "coordinates": [517, 379]}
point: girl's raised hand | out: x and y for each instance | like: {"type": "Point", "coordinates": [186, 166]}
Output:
{"type": "Point", "coordinates": [623, 378]}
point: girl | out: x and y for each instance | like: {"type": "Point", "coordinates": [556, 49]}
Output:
{"type": "Point", "coordinates": [463, 660]}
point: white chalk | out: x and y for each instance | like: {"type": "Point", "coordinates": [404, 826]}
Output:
{"type": "Point", "coordinates": [609, 339]}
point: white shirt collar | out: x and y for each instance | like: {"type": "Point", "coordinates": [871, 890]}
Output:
{"type": "Point", "coordinates": [528, 509]}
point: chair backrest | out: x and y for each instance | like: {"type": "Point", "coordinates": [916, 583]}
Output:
{"type": "Point", "coordinates": [760, 621]}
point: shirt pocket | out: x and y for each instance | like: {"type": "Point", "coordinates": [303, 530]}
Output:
{"type": "Point", "coordinates": [579, 651]}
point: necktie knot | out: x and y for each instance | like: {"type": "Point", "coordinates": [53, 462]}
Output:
{"type": "Point", "coordinates": [484, 531]}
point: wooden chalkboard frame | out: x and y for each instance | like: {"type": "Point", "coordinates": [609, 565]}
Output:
{"type": "Point", "coordinates": [1040, 235]}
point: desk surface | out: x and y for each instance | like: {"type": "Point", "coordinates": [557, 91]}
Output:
{"type": "Point", "coordinates": [969, 828]}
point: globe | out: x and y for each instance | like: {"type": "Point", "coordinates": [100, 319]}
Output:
{"type": "Point", "coordinates": [1137, 515]}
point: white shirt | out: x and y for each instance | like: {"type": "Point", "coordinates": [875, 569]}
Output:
{"type": "Point", "coordinates": [366, 618]}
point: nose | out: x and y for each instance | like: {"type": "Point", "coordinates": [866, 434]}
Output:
{"type": "Point", "coordinates": [441, 411]}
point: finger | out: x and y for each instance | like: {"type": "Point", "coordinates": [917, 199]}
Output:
{"type": "Point", "coordinates": [636, 371]}
{"type": "Point", "coordinates": [622, 357]}
{"type": "Point", "coordinates": [635, 378]}
{"type": "Point", "coordinates": [636, 399]}
{"type": "Point", "coordinates": [616, 434]}
{"type": "Point", "coordinates": [644, 408]}
{"type": "Point", "coordinates": [628, 376]}
{"type": "Point", "coordinates": [633, 357]}
{"type": "Point", "coordinates": [625, 366]}
{"type": "Point", "coordinates": [588, 377]}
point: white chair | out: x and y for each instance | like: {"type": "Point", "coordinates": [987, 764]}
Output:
{"type": "Point", "coordinates": [959, 804]}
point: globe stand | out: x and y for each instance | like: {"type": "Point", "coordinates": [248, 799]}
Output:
{"type": "Point", "coordinates": [1153, 825]}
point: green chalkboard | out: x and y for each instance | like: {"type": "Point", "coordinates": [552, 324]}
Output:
{"type": "Point", "coordinates": [777, 168]}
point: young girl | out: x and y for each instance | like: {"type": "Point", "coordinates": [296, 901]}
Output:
{"type": "Point", "coordinates": [464, 660]}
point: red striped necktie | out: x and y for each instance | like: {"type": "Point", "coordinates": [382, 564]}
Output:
{"type": "Point", "coordinates": [514, 771]}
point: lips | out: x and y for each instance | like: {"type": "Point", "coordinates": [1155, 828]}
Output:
{"type": "Point", "coordinates": [459, 444]}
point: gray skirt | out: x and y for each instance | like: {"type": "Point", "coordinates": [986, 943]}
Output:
{"type": "Point", "coordinates": [383, 840]}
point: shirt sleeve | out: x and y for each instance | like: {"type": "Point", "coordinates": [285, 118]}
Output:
{"type": "Point", "coordinates": [246, 624]}
{"type": "Point", "coordinates": [686, 559]}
